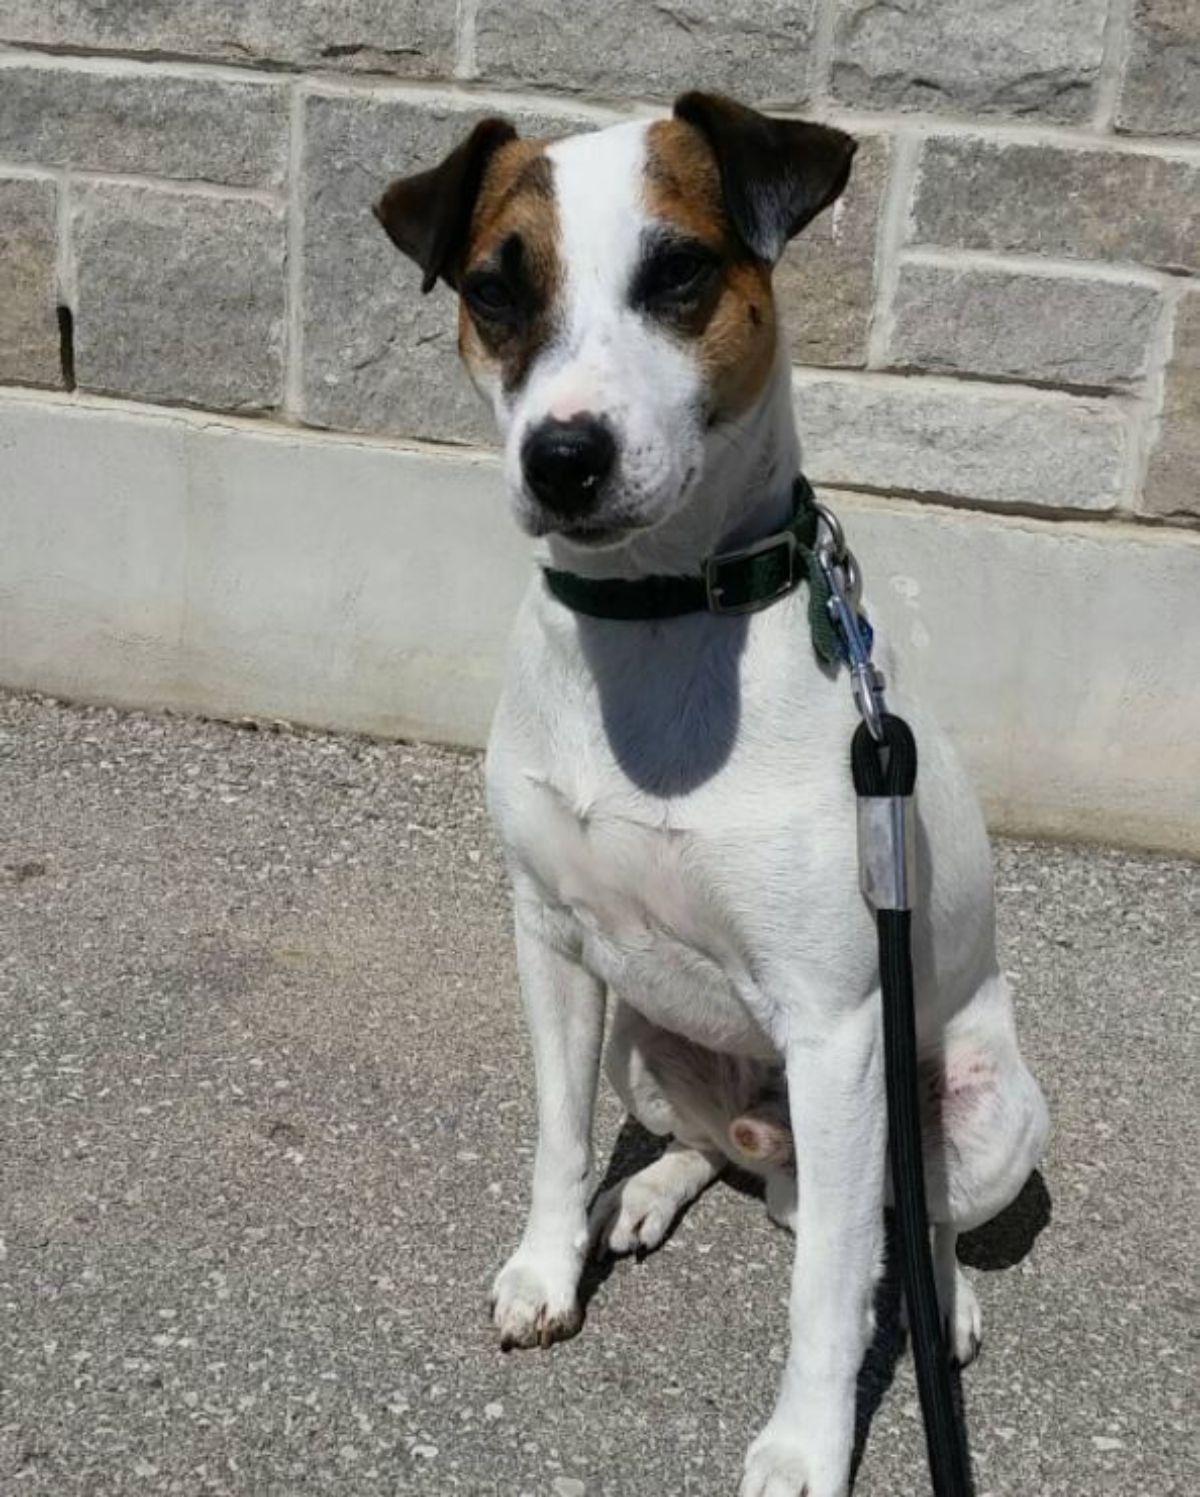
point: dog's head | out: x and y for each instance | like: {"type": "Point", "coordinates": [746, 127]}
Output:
{"type": "Point", "coordinates": [615, 293]}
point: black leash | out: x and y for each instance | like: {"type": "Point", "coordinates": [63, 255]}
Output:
{"type": "Point", "coordinates": [883, 758]}
{"type": "Point", "coordinates": [885, 774]}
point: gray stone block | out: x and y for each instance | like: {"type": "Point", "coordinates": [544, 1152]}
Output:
{"type": "Point", "coordinates": [1011, 449]}
{"type": "Point", "coordinates": [413, 38]}
{"type": "Point", "coordinates": [29, 350]}
{"type": "Point", "coordinates": [1060, 330]}
{"type": "Point", "coordinates": [1160, 88]}
{"type": "Point", "coordinates": [1046, 200]}
{"type": "Point", "coordinates": [180, 296]}
{"type": "Point", "coordinates": [1173, 479]}
{"type": "Point", "coordinates": [214, 130]}
{"type": "Point", "coordinates": [1016, 57]}
{"type": "Point", "coordinates": [759, 52]}
{"type": "Point", "coordinates": [379, 356]}
{"type": "Point", "coordinates": [825, 282]}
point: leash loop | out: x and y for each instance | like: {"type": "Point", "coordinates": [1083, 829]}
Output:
{"type": "Point", "coordinates": [885, 773]}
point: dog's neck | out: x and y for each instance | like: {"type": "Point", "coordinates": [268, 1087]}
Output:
{"type": "Point", "coordinates": [744, 492]}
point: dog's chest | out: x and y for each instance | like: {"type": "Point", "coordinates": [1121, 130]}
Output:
{"type": "Point", "coordinates": [647, 902]}
{"type": "Point", "coordinates": [671, 810]}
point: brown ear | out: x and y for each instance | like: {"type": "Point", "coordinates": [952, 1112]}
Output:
{"type": "Point", "coordinates": [428, 216]}
{"type": "Point", "coordinates": [776, 175]}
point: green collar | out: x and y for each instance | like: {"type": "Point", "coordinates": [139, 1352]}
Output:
{"type": "Point", "coordinates": [741, 581]}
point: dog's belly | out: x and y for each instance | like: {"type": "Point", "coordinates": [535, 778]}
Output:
{"type": "Point", "coordinates": [633, 901]}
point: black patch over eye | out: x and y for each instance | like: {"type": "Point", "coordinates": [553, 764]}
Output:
{"type": "Point", "coordinates": [673, 273]}
{"type": "Point", "coordinates": [488, 296]}
{"type": "Point", "coordinates": [501, 292]}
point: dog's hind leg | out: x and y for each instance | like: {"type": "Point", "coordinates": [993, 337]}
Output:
{"type": "Point", "coordinates": [984, 1125]}
{"type": "Point", "coordinates": [673, 1088]}
{"type": "Point", "coordinates": [957, 1300]}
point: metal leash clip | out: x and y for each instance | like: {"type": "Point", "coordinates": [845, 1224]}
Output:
{"type": "Point", "coordinates": [841, 572]}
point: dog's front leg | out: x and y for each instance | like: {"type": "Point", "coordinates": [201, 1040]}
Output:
{"type": "Point", "coordinates": [835, 1085]}
{"type": "Point", "coordinates": [534, 1298]}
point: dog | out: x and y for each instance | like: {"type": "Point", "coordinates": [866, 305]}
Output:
{"type": "Point", "coordinates": [673, 795]}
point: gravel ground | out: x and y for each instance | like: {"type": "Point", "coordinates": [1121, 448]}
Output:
{"type": "Point", "coordinates": [265, 1127]}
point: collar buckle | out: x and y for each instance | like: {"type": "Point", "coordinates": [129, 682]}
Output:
{"type": "Point", "coordinates": [717, 583]}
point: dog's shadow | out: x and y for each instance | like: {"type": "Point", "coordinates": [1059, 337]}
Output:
{"type": "Point", "coordinates": [999, 1244]}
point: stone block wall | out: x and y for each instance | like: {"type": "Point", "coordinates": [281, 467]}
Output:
{"type": "Point", "coordinates": [225, 409]}
{"type": "Point", "coordinates": [1004, 311]}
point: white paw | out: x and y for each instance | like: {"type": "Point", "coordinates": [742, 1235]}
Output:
{"type": "Point", "coordinates": [964, 1324]}
{"type": "Point", "coordinates": [782, 1199]}
{"type": "Point", "coordinates": [778, 1466]}
{"type": "Point", "coordinates": [534, 1304]}
{"type": "Point", "coordinates": [962, 1319]}
{"type": "Point", "coordinates": [635, 1215]}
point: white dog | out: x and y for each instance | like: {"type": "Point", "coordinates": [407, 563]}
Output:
{"type": "Point", "coordinates": [674, 793]}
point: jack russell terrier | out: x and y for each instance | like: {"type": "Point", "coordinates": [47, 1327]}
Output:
{"type": "Point", "coordinates": [672, 787]}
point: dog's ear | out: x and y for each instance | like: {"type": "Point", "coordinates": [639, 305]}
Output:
{"type": "Point", "coordinates": [428, 215]}
{"type": "Point", "coordinates": [776, 175]}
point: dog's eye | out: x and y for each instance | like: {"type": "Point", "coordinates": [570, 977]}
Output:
{"type": "Point", "coordinates": [674, 275]}
{"type": "Point", "coordinates": [679, 272]}
{"type": "Point", "coordinates": [489, 297]}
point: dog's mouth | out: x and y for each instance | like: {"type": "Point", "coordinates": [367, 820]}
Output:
{"type": "Point", "coordinates": [595, 531]}
{"type": "Point", "coordinates": [592, 533]}
{"type": "Point", "coordinates": [595, 535]}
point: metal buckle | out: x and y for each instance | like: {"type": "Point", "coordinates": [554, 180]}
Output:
{"type": "Point", "coordinates": [712, 573]}
{"type": "Point", "coordinates": [844, 579]}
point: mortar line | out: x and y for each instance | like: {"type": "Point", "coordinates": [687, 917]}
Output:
{"type": "Point", "coordinates": [186, 186]}
{"type": "Point", "coordinates": [265, 424]}
{"type": "Point", "coordinates": [1118, 272]}
{"type": "Point", "coordinates": [474, 93]}
{"type": "Point", "coordinates": [183, 64]}
{"type": "Point", "coordinates": [820, 73]}
{"type": "Point", "coordinates": [1016, 133]}
{"type": "Point", "coordinates": [1025, 508]}
{"type": "Point", "coordinates": [1118, 34]}
{"type": "Point", "coordinates": [141, 65]}
{"type": "Point", "coordinates": [1146, 419]}
{"type": "Point", "coordinates": [1118, 525]}
{"type": "Point", "coordinates": [889, 244]}
{"type": "Point", "coordinates": [466, 39]}
{"type": "Point", "coordinates": [66, 284]}
{"type": "Point", "coordinates": [22, 173]}
{"type": "Point", "coordinates": [467, 94]}
{"type": "Point", "coordinates": [995, 390]}
{"type": "Point", "coordinates": [293, 378]}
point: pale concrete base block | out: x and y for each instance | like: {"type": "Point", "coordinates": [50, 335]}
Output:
{"type": "Point", "coordinates": [1062, 658]}
{"type": "Point", "coordinates": [220, 566]}
{"type": "Point", "coordinates": [176, 560]}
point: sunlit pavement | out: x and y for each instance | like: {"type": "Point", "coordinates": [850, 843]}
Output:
{"type": "Point", "coordinates": [265, 1128]}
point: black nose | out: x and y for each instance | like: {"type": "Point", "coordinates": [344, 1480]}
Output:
{"type": "Point", "coordinates": [566, 462]}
